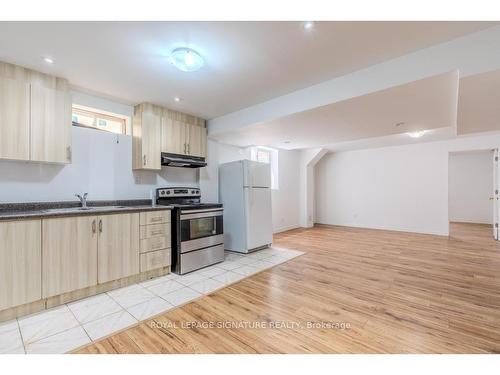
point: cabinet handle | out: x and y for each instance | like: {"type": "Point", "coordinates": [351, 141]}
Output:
{"type": "Point", "coordinates": [185, 152]}
{"type": "Point", "coordinates": [144, 160]}
{"type": "Point", "coordinates": [188, 148]}
{"type": "Point", "coordinates": [155, 219]}
{"type": "Point", "coordinates": [154, 233]}
{"type": "Point", "coordinates": [68, 153]}
{"type": "Point", "coordinates": [93, 227]}
{"type": "Point", "coordinates": [100, 226]}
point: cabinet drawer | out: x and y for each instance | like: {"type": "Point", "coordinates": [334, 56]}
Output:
{"type": "Point", "coordinates": [155, 217]}
{"type": "Point", "coordinates": [155, 259]}
{"type": "Point", "coordinates": [155, 230]}
{"type": "Point", "coordinates": [155, 243]}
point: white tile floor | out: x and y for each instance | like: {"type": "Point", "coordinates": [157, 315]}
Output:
{"type": "Point", "coordinates": [75, 324]}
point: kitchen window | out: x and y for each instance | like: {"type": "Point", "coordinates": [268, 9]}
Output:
{"type": "Point", "coordinates": [95, 119]}
{"type": "Point", "coordinates": [269, 156]}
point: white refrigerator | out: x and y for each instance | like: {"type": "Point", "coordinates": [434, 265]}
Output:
{"type": "Point", "coordinates": [245, 193]}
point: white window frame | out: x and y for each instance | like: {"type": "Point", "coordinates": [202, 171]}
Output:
{"type": "Point", "coordinates": [273, 161]}
{"type": "Point", "coordinates": [104, 115]}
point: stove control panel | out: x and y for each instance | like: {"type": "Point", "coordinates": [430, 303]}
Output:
{"type": "Point", "coordinates": [175, 192]}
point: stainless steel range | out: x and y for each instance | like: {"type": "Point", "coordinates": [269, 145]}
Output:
{"type": "Point", "coordinates": [197, 229]}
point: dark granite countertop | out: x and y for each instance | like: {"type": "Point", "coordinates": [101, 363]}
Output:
{"type": "Point", "coordinates": [40, 210]}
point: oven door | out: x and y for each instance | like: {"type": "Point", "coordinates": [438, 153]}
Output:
{"type": "Point", "coordinates": [201, 229]}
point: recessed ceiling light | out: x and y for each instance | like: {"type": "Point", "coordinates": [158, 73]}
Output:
{"type": "Point", "coordinates": [308, 25]}
{"type": "Point", "coordinates": [287, 142]}
{"type": "Point", "coordinates": [400, 124]}
{"type": "Point", "coordinates": [186, 59]}
{"type": "Point", "coordinates": [177, 99]}
{"type": "Point", "coordinates": [417, 134]}
{"type": "Point", "coordinates": [48, 60]}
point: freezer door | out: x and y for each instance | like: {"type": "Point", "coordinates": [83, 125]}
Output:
{"type": "Point", "coordinates": [256, 174]}
{"type": "Point", "coordinates": [258, 217]}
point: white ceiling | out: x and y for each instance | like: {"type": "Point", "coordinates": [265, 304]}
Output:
{"type": "Point", "coordinates": [479, 103]}
{"type": "Point", "coordinates": [430, 103]}
{"type": "Point", "coordinates": [246, 62]}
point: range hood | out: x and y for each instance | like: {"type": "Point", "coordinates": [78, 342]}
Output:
{"type": "Point", "coordinates": [183, 161]}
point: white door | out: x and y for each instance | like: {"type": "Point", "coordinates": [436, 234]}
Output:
{"type": "Point", "coordinates": [496, 175]}
{"type": "Point", "coordinates": [258, 217]}
{"type": "Point", "coordinates": [256, 174]}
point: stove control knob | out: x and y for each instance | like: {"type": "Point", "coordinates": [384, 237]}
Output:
{"type": "Point", "coordinates": [168, 191]}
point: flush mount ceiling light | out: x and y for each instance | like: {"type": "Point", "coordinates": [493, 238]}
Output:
{"type": "Point", "coordinates": [177, 99]}
{"type": "Point", "coordinates": [308, 25]}
{"type": "Point", "coordinates": [48, 60]}
{"type": "Point", "coordinates": [417, 134]}
{"type": "Point", "coordinates": [186, 59]}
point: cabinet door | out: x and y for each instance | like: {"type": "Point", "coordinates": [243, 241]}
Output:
{"type": "Point", "coordinates": [151, 140]}
{"type": "Point", "coordinates": [50, 125]}
{"type": "Point", "coordinates": [197, 140]}
{"type": "Point", "coordinates": [173, 136]}
{"type": "Point", "coordinates": [118, 246]}
{"type": "Point", "coordinates": [69, 254]}
{"type": "Point", "coordinates": [20, 263]}
{"type": "Point", "coordinates": [14, 119]}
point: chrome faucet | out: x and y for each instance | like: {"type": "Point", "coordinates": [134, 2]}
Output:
{"type": "Point", "coordinates": [83, 200]}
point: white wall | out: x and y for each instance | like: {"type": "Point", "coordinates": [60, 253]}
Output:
{"type": "Point", "coordinates": [397, 188]}
{"type": "Point", "coordinates": [101, 166]}
{"type": "Point", "coordinates": [307, 170]}
{"type": "Point", "coordinates": [217, 153]}
{"type": "Point", "coordinates": [285, 201]}
{"type": "Point", "coordinates": [470, 187]}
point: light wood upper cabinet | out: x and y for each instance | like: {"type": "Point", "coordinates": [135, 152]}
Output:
{"type": "Point", "coordinates": [14, 119]}
{"type": "Point", "coordinates": [50, 124]}
{"type": "Point", "coordinates": [35, 116]}
{"type": "Point", "coordinates": [197, 141]}
{"type": "Point", "coordinates": [173, 134]}
{"type": "Point", "coordinates": [178, 133]}
{"type": "Point", "coordinates": [118, 254]}
{"type": "Point", "coordinates": [20, 263]}
{"type": "Point", "coordinates": [183, 134]}
{"type": "Point", "coordinates": [69, 259]}
{"type": "Point", "coordinates": [146, 133]}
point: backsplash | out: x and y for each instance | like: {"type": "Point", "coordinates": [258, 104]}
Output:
{"type": "Point", "coordinates": [102, 166]}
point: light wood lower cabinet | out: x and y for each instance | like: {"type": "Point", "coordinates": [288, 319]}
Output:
{"type": "Point", "coordinates": [155, 230]}
{"type": "Point", "coordinates": [20, 263]}
{"type": "Point", "coordinates": [51, 257]}
{"type": "Point", "coordinates": [118, 246]}
{"type": "Point", "coordinates": [155, 259]}
{"type": "Point", "coordinates": [155, 217]}
{"type": "Point", "coordinates": [69, 256]}
{"type": "Point", "coordinates": [156, 243]}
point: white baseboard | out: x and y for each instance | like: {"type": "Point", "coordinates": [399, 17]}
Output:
{"type": "Point", "coordinates": [284, 229]}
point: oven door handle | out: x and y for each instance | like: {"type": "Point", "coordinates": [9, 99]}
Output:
{"type": "Point", "coordinates": [200, 215]}
{"type": "Point", "coordinates": [218, 209]}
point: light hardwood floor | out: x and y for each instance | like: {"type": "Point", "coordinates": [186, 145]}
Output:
{"type": "Point", "coordinates": [400, 293]}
